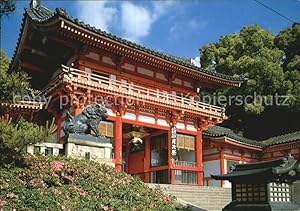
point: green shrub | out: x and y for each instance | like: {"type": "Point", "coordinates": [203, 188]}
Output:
{"type": "Point", "coordinates": [48, 183]}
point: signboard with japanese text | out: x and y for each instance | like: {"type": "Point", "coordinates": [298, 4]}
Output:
{"type": "Point", "coordinates": [173, 142]}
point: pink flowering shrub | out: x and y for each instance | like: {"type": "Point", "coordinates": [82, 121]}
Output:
{"type": "Point", "coordinates": [48, 183]}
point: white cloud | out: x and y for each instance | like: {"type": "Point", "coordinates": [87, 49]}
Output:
{"type": "Point", "coordinates": [97, 13]}
{"type": "Point", "coordinates": [196, 61]}
{"type": "Point", "coordinates": [136, 21]}
{"type": "Point", "coordinates": [180, 29]}
{"type": "Point", "coordinates": [161, 7]}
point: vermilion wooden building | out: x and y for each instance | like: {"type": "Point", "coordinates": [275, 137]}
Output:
{"type": "Point", "coordinates": [149, 95]}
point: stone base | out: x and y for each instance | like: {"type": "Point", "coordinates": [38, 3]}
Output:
{"type": "Point", "coordinates": [89, 147]}
{"type": "Point", "coordinates": [46, 148]}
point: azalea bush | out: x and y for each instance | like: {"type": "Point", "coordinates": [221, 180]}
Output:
{"type": "Point", "coordinates": [60, 183]}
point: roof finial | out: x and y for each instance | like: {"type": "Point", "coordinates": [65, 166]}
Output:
{"type": "Point", "coordinates": [35, 3]}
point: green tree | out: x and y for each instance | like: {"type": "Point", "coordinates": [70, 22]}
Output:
{"type": "Point", "coordinates": [7, 7]}
{"type": "Point", "coordinates": [16, 136]}
{"type": "Point", "coordinates": [14, 85]}
{"type": "Point", "coordinates": [271, 66]}
{"type": "Point", "coordinates": [288, 40]}
{"type": "Point", "coordinates": [251, 53]}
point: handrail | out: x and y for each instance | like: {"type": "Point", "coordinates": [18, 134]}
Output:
{"type": "Point", "coordinates": [78, 76]}
{"type": "Point", "coordinates": [185, 163]}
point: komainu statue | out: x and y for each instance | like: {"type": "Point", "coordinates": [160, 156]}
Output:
{"type": "Point", "coordinates": [87, 121]}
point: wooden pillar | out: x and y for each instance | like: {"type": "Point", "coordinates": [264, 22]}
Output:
{"type": "Point", "coordinates": [118, 143]}
{"type": "Point", "coordinates": [147, 159]}
{"type": "Point", "coordinates": [77, 110]}
{"type": "Point", "coordinates": [222, 164]}
{"type": "Point", "coordinates": [198, 152]}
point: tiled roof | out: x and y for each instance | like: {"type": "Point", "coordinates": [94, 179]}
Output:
{"type": "Point", "coordinates": [42, 14]}
{"type": "Point", "coordinates": [286, 138]}
{"type": "Point", "coordinates": [218, 131]}
{"type": "Point", "coordinates": [282, 169]}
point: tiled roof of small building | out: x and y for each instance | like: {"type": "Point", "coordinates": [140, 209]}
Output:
{"type": "Point", "coordinates": [42, 14]}
{"type": "Point", "coordinates": [286, 138]}
{"type": "Point", "coordinates": [282, 169]}
{"type": "Point", "coordinates": [218, 131]}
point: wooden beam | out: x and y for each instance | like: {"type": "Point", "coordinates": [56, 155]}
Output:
{"type": "Point", "coordinates": [36, 51]}
{"type": "Point", "coordinates": [64, 42]}
{"type": "Point", "coordinates": [30, 66]}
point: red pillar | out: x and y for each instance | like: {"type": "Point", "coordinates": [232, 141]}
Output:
{"type": "Point", "coordinates": [77, 111]}
{"type": "Point", "coordinates": [199, 157]}
{"type": "Point", "coordinates": [118, 143]}
{"type": "Point", "coordinates": [222, 165]}
{"type": "Point", "coordinates": [147, 159]}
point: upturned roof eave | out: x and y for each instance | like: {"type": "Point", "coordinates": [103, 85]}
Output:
{"type": "Point", "coordinates": [59, 14]}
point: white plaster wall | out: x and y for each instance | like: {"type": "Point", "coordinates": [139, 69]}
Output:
{"type": "Point", "coordinates": [227, 184]}
{"type": "Point", "coordinates": [128, 66]}
{"type": "Point", "coordinates": [212, 167]}
{"type": "Point", "coordinates": [146, 119]}
{"type": "Point", "coordinates": [191, 128]}
{"type": "Point", "coordinates": [130, 116]}
{"type": "Point", "coordinates": [110, 112]}
{"type": "Point", "coordinates": [180, 125]}
{"type": "Point", "coordinates": [162, 122]}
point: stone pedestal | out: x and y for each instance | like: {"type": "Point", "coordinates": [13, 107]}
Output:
{"type": "Point", "coordinates": [296, 192]}
{"type": "Point", "coordinates": [46, 148]}
{"type": "Point", "coordinates": [89, 147]}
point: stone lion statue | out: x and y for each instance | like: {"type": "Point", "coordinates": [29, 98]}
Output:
{"type": "Point", "coordinates": [87, 121]}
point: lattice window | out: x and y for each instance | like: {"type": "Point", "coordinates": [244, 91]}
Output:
{"type": "Point", "coordinates": [279, 192]}
{"type": "Point", "coordinates": [106, 129]}
{"type": "Point", "coordinates": [185, 142]}
{"type": "Point", "coordinates": [251, 193]}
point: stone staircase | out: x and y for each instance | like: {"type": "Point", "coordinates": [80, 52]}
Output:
{"type": "Point", "coordinates": [202, 198]}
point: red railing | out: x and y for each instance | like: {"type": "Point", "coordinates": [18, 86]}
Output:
{"type": "Point", "coordinates": [76, 76]}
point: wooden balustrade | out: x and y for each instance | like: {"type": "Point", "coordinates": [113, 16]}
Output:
{"type": "Point", "coordinates": [77, 76]}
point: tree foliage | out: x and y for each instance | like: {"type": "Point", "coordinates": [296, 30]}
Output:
{"type": "Point", "coordinates": [271, 65]}
{"type": "Point", "coordinates": [16, 136]}
{"type": "Point", "coordinates": [15, 84]}
{"type": "Point", "coordinates": [7, 7]}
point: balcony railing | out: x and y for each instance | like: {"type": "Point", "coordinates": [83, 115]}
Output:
{"type": "Point", "coordinates": [101, 83]}
{"type": "Point", "coordinates": [185, 163]}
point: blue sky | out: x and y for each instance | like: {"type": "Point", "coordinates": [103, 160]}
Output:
{"type": "Point", "coordinates": [177, 27]}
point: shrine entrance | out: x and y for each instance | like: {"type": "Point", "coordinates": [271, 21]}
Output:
{"type": "Point", "coordinates": [147, 153]}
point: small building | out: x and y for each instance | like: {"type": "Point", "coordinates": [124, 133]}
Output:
{"type": "Point", "coordinates": [222, 147]}
{"type": "Point", "coordinates": [263, 185]}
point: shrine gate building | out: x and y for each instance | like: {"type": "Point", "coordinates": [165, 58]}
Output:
{"type": "Point", "coordinates": [155, 118]}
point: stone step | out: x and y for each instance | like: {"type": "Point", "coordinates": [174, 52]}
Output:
{"type": "Point", "coordinates": [206, 198]}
